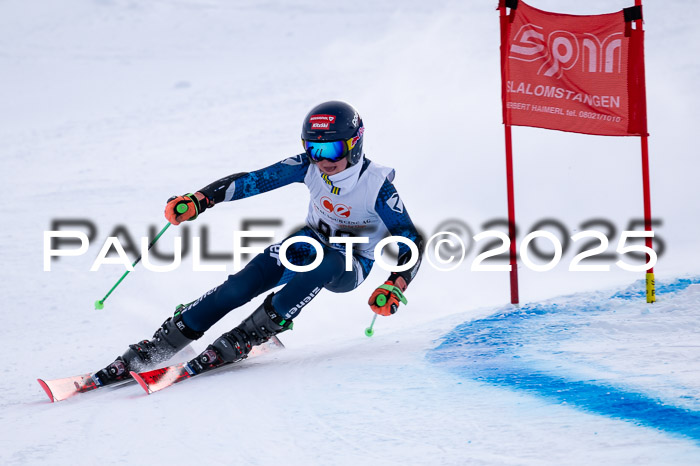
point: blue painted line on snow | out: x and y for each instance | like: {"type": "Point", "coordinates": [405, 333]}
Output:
{"type": "Point", "coordinates": [487, 350]}
{"type": "Point", "coordinates": [638, 290]}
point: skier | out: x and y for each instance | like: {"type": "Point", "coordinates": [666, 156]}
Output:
{"type": "Point", "coordinates": [350, 196]}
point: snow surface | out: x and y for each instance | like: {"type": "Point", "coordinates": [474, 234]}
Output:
{"type": "Point", "coordinates": [111, 106]}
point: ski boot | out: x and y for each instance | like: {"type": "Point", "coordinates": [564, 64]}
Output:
{"type": "Point", "coordinates": [235, 345]}
{"type": "Point", "coordinates": [170, 338]}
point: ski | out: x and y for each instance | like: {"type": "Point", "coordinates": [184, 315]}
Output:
{"type": "Point", "coordinates": [158, 379]}
{"type": "Point", "coordinates": [67, 387]}
{"type": "Point", "coordinates": [62, 389]}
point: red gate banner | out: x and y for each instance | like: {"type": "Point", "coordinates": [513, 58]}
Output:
{"type": "Point", "coordinates": [583, 74]}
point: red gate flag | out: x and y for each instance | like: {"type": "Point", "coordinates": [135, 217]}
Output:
{"type": "Point", "coordinates": [583, 74]}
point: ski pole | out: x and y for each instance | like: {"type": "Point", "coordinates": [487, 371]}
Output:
{"type": "Point", "coordinates": [100, 303]}
{"type": "Point", "coordinates": [369, 331]}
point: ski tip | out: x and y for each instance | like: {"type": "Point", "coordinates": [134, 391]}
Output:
{"type": "Point", "coordinates": [46, 389]}
{"type": "Point", "coordinates": [276, 342]}
{"type": "Point", "coordinates": [140, 381]}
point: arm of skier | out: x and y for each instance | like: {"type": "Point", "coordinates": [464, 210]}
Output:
{"type": "Point", "coordinates": [386, 298]}
{"type": "Point", "coordinates": [236, 186]}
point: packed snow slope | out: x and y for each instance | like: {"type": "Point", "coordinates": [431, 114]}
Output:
{"type": "Point", "coordinates": [594, 378]}
{"type": "Point", "coordinates": [109, 107]}
{"type": "Point", "coordinates": [596, 352]}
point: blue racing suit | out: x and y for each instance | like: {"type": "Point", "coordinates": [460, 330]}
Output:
{"type": "Point", "coordinates": [265, 271]}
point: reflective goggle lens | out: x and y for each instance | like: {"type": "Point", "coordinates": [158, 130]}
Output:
{"type": "Point", "coordinates": [333, 151]}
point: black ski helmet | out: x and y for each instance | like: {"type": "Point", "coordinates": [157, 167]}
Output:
{"type": "Point", "coordinates": [334, 121]}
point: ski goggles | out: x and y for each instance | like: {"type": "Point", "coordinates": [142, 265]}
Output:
{"type": "Point", "coordinates": [333, 151]}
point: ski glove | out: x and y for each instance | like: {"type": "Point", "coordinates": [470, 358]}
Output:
{"type": "Point", "coordinates": [185, 207]}
{"type": "Point", "coordinates": [386, 298]}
